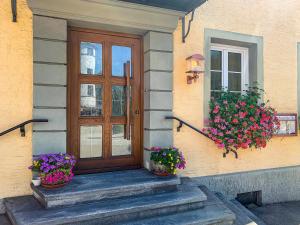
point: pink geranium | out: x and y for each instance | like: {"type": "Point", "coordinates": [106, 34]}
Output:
{"type": "Point", "coordinates": [241, 121]}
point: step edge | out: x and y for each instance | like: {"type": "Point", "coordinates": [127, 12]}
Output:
{"type": "Point", "coordinates": [127, 210]}
{"type": "Point", "coordinates": [159, 184]}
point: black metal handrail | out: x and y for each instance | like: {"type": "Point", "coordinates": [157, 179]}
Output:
{"type": "Point", "coordinates": [22, 126]}
{"type": "Point", "coordinates": [181, 123]}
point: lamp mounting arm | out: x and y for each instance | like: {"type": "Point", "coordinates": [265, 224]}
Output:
{"type": "Point", "coordinates": [14, 10]}
{"type": "Point", "coordinates": [185, 34]}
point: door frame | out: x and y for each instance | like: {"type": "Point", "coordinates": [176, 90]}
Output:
{"type": "Point", "coordinates": [141, 101]}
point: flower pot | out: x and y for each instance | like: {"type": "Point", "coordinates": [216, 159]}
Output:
{"type": "Point", "coordinates": [54, 186]}
{"type": "Point", "coordinates": [36, 181]}
{"type": "Point", "coordinates": [159, 170]}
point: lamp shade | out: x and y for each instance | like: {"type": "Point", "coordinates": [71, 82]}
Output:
{"type": "Point", "coordinates": [194, 63]}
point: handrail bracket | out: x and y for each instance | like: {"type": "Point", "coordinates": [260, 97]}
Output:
{"type": "Point", "coordinates": [22, 131]}
{"type": "Point", "coordinates": [179, 126]}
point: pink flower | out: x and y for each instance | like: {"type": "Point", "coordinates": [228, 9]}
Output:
{"type": "Point", "coordinates": [216, 109]}
{"type": "Point", "coordinates": [242, 103]}
{"type": "Point", "coordinates": [235, 121]}
{"type": "Point", "coordinates": [221, 145]}
{"type": "Point", "coordinates": [242, 114]}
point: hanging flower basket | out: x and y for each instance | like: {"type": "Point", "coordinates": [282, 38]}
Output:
{"type": "Point", "coordinates": [241, 121]}
{"type": "Point", "coordinates": [166, 161]}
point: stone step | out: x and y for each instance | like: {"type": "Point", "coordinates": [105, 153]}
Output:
{"type": "Point", "coordinates": [247, 212]}
{"type": "Point", "coordinates": [93, 187]}
{"type": "Point", "coordinates": [241, 217]}
{"type": "Point", "coordinates": [211, 214]}
{"type": "Point", "coordinates": [27, 211]}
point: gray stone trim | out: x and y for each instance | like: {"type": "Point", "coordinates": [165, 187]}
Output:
{"type": "Point", "coordinates": [50, 51]}
{"type": "Point", "coordinates": [48, 107]}
{"type": "Point", "coordinates": [298, 77]}
{"type": "Point", "coordinates": [156, 90]}
{"type": "Point", "coordinates": [160, 110]}
{"type": "Point", "coordinates": [153, 50]}
{"type": "Point", "coordinates": [231, 37]}
{"type": "Point", "coordinates": [158, 61]}
{"type": "Point", "coordinates": [50, 74]}
{"type": "Point", "coordinates": [156, 31]}
{"type": "Point", "coordinates": [277, 185]}
{"type": "Point", "coordinates": [50, 96]}
{"type": "Point", "coordinates": [49, 85]}
{"type": "Point", "coordinates": [49, 63]}
{"type": "Point", "coordinates": [49, 131]}
{"type": "Point", "coordinates": [49, 28]}
{"type": "Point", "coordinates": [159, 129]}
{"type": "Point", "coordinates": [153, 70]}
{"type": "Point", "coordinates": [49, 39]}
{"type": "Point", "coordinates": [49, 142]}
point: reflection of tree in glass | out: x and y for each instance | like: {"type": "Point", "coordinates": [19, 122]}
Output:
{"type": "Point", "coordinates": [118, 100]}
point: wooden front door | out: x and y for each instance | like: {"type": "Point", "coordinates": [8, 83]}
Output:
{"type": "Point", "coordinates": [104, 93]}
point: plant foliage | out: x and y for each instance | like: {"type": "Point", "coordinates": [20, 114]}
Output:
{"type": "Point", "coordinates": [170, 157]}
{"type": "Point", "coordinates": [241, 121]}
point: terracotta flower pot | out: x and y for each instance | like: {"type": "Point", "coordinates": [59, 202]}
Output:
{"type": "Point", "coordinates": [159, 170]}
{"type": "Point", "coordinates": [54, 186]}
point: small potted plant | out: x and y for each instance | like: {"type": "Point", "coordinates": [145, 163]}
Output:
{"type": "Point", "coordinates": [166, 161]}
{"type": "Point", "coordinates": [55, 170]}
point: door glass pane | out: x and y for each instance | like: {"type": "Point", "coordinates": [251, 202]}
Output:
{"type": "Point", "coordinates": [120, 145]}
{"type": "Point", "coordinates": [90, 58]}
{"type": "Point", "coordinates": [216, 60]}
{"type": "Point", "coordinates": [234, 81]}
{"type": "Point", "coordinates": [118, 100]}
{"type": "Point", "coordinates": [216, 80]}
{"type": "Point", "coordinates": [121, 55]}
{"type": "Point", "coordinates": [90, 141]}
{"type": "Point", "coordinates": [90, 100]}
{"type": "Point", "coordinates": [234, 62]}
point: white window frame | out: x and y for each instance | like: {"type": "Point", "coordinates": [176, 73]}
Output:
{"type": "Point", "coordinates": [244, 67]}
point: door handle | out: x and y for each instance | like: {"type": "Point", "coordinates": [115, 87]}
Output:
{"type": "Point", "coordinates": [127, 71]}
{"type": "Point", "coordinates": [137, 112]}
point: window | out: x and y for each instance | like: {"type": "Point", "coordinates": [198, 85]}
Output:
{"type": "Point", "coordinates": [229, 69]}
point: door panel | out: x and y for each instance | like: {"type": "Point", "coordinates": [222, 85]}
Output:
{"type": "Point", "coordinates": [104, 95]}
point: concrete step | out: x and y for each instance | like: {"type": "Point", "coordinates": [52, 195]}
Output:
{"type": "Point", "coordinates": [27, 211]}
{"type": "Point", "coordinates": [247, 212]}
{"type": "Point", "coordinates": [93, 187]}
{"type": "Point", "coordinates": [214, 212]}
{"type": "Point", "coordinates": [241, 217]}
{"type": "Point", "coordinates": [4, 220]}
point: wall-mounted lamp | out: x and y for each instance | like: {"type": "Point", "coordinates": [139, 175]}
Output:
{"type": "Point", "coordinates": [194, 67]}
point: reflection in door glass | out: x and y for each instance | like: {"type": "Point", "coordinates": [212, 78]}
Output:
{"type": "Point", "coordinates": [120, 56]}
{"type": "Point", "coordinates": [90, 100]}
{"type": "Point", "coordinates": [90, 141]}
{"type": "Point", "coordinates": [90, 58]}
{"type": "Point", "coordinates": [118, 100]}
{"type": "Point", "coordinates": [120, 145]}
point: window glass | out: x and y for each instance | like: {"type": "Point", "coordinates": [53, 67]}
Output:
{"type": "Point", "coordinates": [90, 100]}
{"type": "Point", "coordinates": [121, 56]}
{"type": "Point", "coordinates": [234, 82]}
{"type": "Point", "coordinates": [120, 145]}
{"type": "Point", "coordinates": [90, 141]}
{"type": "Point", "coordinates": [118, 100]}
{"type": "Point", "coordinates": [234, 62]}
{"type": "Point", "coordinates": [216, 80]}
{"type": "Point", "coordinates": [90, 58]}
{"type": "Point", "coordinates": [216, 60]}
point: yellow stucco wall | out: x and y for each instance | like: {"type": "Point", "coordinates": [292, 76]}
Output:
{"type": "Point", "coordinates": [15, 98]}
{"type": "Point", "coordinates": [278, 22]}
